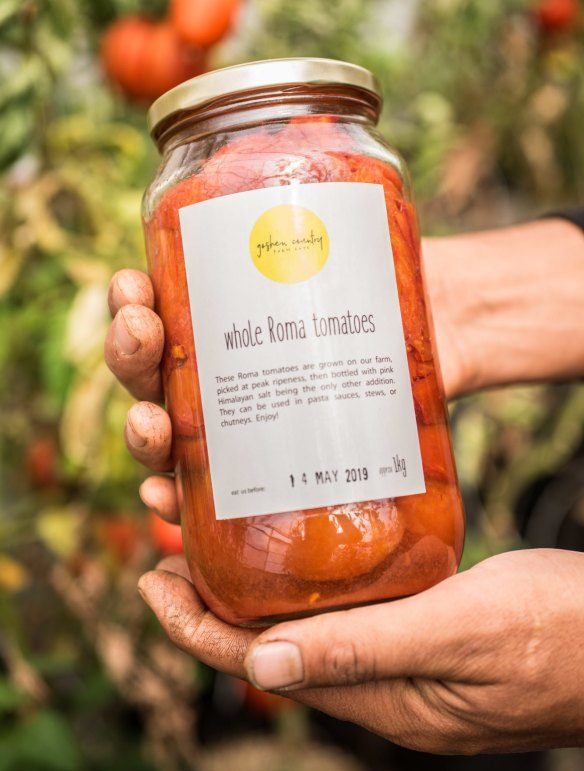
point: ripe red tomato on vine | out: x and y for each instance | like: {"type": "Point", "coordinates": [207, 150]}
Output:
{"type": "Point", "coordinates": [556, 15]}
{"type": "Point", "coordinates": [145, 58]}
{"type": "Point", "coordinates": [203, 22]}
{"type": "Point", "coordinates": [42, 461]}
{"type": "Point", "coordinates": [165, 536]}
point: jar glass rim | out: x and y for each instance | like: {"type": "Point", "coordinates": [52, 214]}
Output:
{"type": "Point", "coordinates": [267, 73]}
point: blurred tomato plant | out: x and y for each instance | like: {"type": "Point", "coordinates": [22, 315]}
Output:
{"type": "Point", "coordinates": [76, 645]}
{"type": "Point", "coordinates": [557, 15]}
{"type": "Point", "coordinates": [145, 58]}
{"type": "Point", "coordinates": [203, 22]}
{"type": "Point", "coordinates": [487, 107]}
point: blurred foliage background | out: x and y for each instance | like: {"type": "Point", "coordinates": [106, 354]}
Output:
{"type": "Point", "coordinates": [486, 101]}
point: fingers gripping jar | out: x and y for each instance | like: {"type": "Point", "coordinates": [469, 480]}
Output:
{"type": "Point", "coordinates": [313, 457]}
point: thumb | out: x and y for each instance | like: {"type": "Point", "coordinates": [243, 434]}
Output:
{"type": "Point", "coordinates": [416, 636]}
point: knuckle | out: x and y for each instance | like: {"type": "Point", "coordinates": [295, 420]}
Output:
{"type": "Point", "coordinates": [347, 662]}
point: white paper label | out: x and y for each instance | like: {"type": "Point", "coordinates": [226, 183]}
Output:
{"type": "Point", "coordinates": [300, 349]}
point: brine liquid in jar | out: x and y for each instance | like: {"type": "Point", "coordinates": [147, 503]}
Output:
{"type": "Point", "coordinates": [313, 458]}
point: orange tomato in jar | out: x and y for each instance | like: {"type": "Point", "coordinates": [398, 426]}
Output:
{"type": "Point", "coordinates": [430, 514]}
{"type": "Point", "coordinates": [343, 542]}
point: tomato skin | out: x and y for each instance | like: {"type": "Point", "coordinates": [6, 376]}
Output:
{"type": "Point", "coordinates": [165, 536]}
{"type": "Point", "coordinates": [339, 544]}
{"type": "Point", "coordinates": [435, 449]}
{"type": "Point", "coordinates": [556, 15]}
{"type": "Point", "coordinates": [145, 58]}
{"type": "Point", "coordinates": [431, 515]}
{"type": "Point", "coordinates": [203, 22]}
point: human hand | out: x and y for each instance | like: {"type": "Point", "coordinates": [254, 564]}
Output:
{"type": "Point", "coordinates": [133, 350]}
{"type": "Point", "coordinates": [489, 660]}
{"type": "Point", "coordinates": [486, 661]}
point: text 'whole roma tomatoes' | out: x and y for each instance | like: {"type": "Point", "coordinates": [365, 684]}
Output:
{"type": "Point", "coordinates": [380, 514]}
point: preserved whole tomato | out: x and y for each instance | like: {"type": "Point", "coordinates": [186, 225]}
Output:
{"type": "Point", "coordinates": [340, 533]}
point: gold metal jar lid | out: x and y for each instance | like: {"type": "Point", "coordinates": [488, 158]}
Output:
{"type": "Point", "coordinates": [254, 75]}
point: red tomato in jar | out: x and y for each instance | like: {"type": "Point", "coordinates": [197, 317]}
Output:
{"type": "Point", "coordinates": [203, 22]}
{"type": "Point", "coordinates": [145, 58]}
{"type": "Point", "coordinates": [556, 15]}
{"type": "Point", "coordinates": [165, 536]}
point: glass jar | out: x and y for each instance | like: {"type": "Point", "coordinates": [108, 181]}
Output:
{"type": "Point", "coordinates": [313, 458]}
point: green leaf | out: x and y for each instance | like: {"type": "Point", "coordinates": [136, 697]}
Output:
{"type": "Point", "coordinates": [11, 697]}
{"type": "Point", "coordinates": [16, 129]}
{"type": "Point", "coordinates": [44, 743]}
{"type": "Point", "coordinates": [9, 9]}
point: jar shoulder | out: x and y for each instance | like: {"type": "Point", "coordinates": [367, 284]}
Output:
{"type": "Point", "coordinates": [286, 152]}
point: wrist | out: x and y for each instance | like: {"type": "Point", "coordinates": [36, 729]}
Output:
{"type": "Point", "coordinates": [507, 304]}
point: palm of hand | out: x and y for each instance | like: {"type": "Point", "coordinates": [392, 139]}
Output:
{"type": "Point", "coordinates": [483, 662]}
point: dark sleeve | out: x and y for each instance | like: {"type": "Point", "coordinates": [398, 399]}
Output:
{"type": "Point", "coordinates": [574, 215]}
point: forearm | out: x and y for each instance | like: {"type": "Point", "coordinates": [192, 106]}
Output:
{"type": "Point", "coordinates": [509, 303]}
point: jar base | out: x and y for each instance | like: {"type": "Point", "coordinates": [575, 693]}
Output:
{"type": "Point", "coordinates": [266, 621]}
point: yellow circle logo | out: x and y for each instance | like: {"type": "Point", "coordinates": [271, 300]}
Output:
{"type": "Point", "coordinates": [288, 244]}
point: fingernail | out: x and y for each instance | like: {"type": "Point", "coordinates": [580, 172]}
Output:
{"type": "Point", "coordinates": [125, 341]}
{"type": "Point", "coordinates": [276, 665]}
{"type": "Point", "coordinates": [133, 437]}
